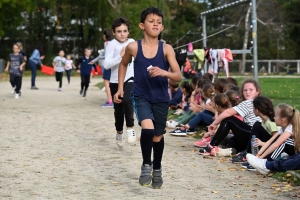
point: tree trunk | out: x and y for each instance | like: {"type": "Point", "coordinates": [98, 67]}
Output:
{"type": "Point", "coordinates": [245, 44]}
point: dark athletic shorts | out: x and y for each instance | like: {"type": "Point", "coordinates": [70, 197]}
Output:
{"type": "Point", "coordinates": [106, 74]}
{"type": "Point", "coordinates": [158, 112]}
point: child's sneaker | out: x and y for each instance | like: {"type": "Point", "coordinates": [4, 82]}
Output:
{"type": "Point", "coordinates": [178, 132]}
{"type": "Point", "coordinates": [119, 140]}
{"type": "Point", "coordinates": [107, 105]}
{"type": "Point", "coordinates": [157, 180]}
{"type": "Point", "coordinates": [172, 124]}
{"type": "Point", "coordinates": [84, 94]}
{"type": "Point", "coordinates": [59, 89]}
{"type": "Point", "coordinates": [205, 151]}
{"type": "Point", "coordinates": [216, 151]}
{"type": "Point", "coordinates": [17, 96]}
{"type": "Point", "coordinates": [258, 163]}
{"type": "Point", "coordinates": [131, 137]}
{"type": "Point", "coordinates": [145, 177]}
{"type": "Point", "coordinates": [80, 92]}
{"type": "Point", "coordinates": [203, 142]}
{"type": "Point", "coordinates": [240, 158]}
{"type": "Point", "coordinates": [13, 90]}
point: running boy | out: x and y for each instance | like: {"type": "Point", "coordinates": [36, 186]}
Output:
{"type": "Point", "coordinates": [59, 67]}
{"type": "Point", "coordinates": [85, 70]}
{"type": "Point", "coordinates": [150, 93]}
{"type": "Point", "coordinates": [15, 65]}
{"type": "Point", "coordinates": [113, 56]}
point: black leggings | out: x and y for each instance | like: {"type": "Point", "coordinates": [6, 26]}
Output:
{"type": "Point", "coordinates": [85, 82]}
{"type": "Point", "coordinates": [58, 77]}
{"type": "Point", "coordinates": [16, 81]}
{"type": "Point", "coordinates": [240, 130]}
{"type": "Point", "coordinates": [287, 147]}
{"type": "Point", "coordinates": [260, 133]}
{"type": "Point", "coordinates": [125, 108]}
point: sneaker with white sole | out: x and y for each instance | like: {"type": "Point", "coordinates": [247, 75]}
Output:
{"type": "Point", "coordinates": [247, 166]}
{"type": "Point", "coordinates": [217, 151]}
{"type": "Point", "coordinates": [131, 137]}
{"type": "Point", "coordinates": [107, 105]}
{"type": "Point", "coordinates": [119, 140]}
{"type": "Point", "coordinates": [203, 142]}
{"type": "Point", "coordinates": [178, 132]}
{"type": "Point", "coordinates": [258, 163]}
{"type": "Point", "coordinates": [13, 90]}
{"type": "Point", "coordinates": [145, 177]}
{"type": "Point", "coordinates": [17, 95]}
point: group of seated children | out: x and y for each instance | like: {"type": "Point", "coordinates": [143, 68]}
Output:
{"type": "Point", "coordinates": [233, 116]}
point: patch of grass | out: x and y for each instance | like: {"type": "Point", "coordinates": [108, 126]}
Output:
{"type": "Point", "coordinates": [287, 177]}
{"type": "Point", "coordinates": [100, 85]}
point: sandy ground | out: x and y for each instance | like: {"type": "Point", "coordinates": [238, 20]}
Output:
{"type": "Point", "coordinates": [58, 145]}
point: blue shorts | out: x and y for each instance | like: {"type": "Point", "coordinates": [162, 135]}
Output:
{"type": "Point", "coordinates": [157, 112]}
{"type": "Point", "coordinates": [106, 74]}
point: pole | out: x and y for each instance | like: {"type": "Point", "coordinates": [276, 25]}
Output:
{"type": "Point", "coordinates": [254, 39]}
{"type": "Point", "coordinates": [204, 37]}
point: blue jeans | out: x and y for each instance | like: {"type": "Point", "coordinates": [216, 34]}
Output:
{"type": "Point", "coordinates": [291, 163]}
{"type": "Point", "coordinates": [68, 72]}
{"type": "Point", "coordinates": [32, 66]}
{"type": "Point", "coordinates": [205, 116]}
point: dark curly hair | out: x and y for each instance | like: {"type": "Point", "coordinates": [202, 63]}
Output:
{"type": "Point", "coordinates": [265, 106]}
{"type": "Point", "coordinates": [118, 22]}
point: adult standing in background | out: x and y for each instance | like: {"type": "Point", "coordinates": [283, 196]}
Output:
{"type": "Point", "coordinates": [34, 60]}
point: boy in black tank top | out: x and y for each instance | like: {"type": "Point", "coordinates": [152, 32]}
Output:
{"type": "Point", "coordinates": [150, 93]}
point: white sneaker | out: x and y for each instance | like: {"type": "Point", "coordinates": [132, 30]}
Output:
{"type": "Point", "coordinates": [257, 163]}
{"type": "Point", "coordinates": [17, 96]}
{"type": "Point", "coordinates": [131, 137]}
{"type": "Point", "coordinates": [59, 89]}
{"type": "Point", "coordinates": [103, 89]}
{"type": "Point", "coordinates": [13, 90]}
{"type": "Point", "coordinates": [119, 140]}
{"type": "Point", "coordinates": [172, 124]}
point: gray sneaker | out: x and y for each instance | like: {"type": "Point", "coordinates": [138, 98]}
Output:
{"type": "Point", "coordinates": [119, 140]}
{"type": "Point", "coordinates": [157, 180]}
{"type": "Point", "coordinates": [145, 177]}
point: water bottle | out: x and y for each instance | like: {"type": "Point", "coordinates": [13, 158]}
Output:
{"type": "Point", "coordinates": [190, 47]}
{"type": "Point", "coordinates": [254, 150]}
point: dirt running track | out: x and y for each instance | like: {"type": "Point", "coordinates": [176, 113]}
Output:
{"type": "Point", "coordinates": [58, 145]}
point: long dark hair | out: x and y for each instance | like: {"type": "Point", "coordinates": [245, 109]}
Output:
{"type": "Point", "coordinates": [265, 106]}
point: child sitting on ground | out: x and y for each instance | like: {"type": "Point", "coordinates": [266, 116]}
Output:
{"type": "Point", "coordinates": [196, 106]}
{"type": "Point", "coordinates": [176, 94]}
{"type": "Point", "coordinates": [263, 107]}
{"type": "Point", "coordinates": [287, 139]}
{"type": "Point", "coordinates": [206, 116]}
{"type": "Point", "coordinates": [221, 102]}
{"type": "Point", "coordinates": [187, 90]}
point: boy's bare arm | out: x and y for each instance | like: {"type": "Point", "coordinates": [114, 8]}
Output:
{"type": "Point", "coordinates": [175, 73]}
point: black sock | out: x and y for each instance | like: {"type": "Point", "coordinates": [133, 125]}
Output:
{"type": "Point", "coordinates": [146, 142]}
{"type": "Point", "coordinates": [82, 85]}
{"type": "Point", "coordinates": [158, 149]}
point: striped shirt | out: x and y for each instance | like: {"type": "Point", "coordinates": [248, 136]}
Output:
{"type": "Point", "coordinates": [245, 110]}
